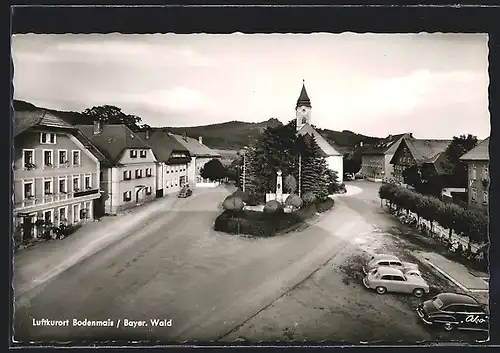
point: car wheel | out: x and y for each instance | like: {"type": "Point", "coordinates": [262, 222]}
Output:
{"type": "Point", "coordinates": [419, 292]}
{"type": "Point", "coordinates": [381, 290]}
{"type": "Point", "coordinates": [448, 326]}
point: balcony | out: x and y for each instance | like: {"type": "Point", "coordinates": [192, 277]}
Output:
{"type": "Point", "coordinates": [87, 192]}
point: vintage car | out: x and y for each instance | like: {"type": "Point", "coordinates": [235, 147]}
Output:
{"type": "Point", "coordinates": [389, 279]}
{"type": "Point", "coordinates": [453, 310]}
{"type": "Point", "coordinates": [388, 261]}
{"type": "Point", "coordinates": [185, 191]}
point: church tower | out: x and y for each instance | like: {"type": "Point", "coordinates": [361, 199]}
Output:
{"type": "Point", "coordinates": [303, 108]}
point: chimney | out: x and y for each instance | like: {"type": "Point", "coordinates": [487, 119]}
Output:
{"type": "Point", "coordinates": [147, 134]}
{"type": "Point", "coordinates": [200, 140]}
{"type": "Point", "coordinates": [97, 127]}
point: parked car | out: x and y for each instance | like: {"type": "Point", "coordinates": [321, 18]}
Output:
{"type": "Point", "coordinates": [348, 176]}
{"type": "Point", "coordinates": [389, 261]}
{"type": "Point", "coordinates": [453, 310]}
{"type": "Point", "coordinates": [390, 279]}
{"type": "Point", "coordinates": [185, 191]}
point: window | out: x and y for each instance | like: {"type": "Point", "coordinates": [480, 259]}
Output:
{"type": "Point", "coordinates": [485, 197]}
{"type": "Point", "coordinates": [386, 278]}
{"type": "Point", "coordinates": [485, 173]}
{"type": "Point", "coordinates": [148, 190]}
{"type": "Point", "coordinates": [143, 153]}
{"type": "Point", "coordinates": [133, 154]}
{"type": "Point", "coordinates": [384, 263]}
{"type": "Point", "coordinates": [127, 196]}
{"type": "Point", "coordinates": [47, 158]}
{"type": "Point", "coordinates": [48, 138]}
{"type": "Point", "coordinates": [29, 190]}
{"type": "Point", "coordinates": [62, 214]}
{"type": "Point", "coordinates": [76, 183]}
{"type": "Point", "coordinates": [29, 159]}
{"type": "Point", "coordinates": [76, 213]}
{"type": "Point", "coordinates": [88, 182]}
{"type": "Point", "coordinates": [398, 278]}
{"type": "Point", "coordinates": [148, 172]}
{"type": "Point", "coordinates": [76, 158]}
{"type": "Point", "coordinates": [63, 157]}
{"type": "Point", "coordinates": [396, 263]}
{"type": "Point", "coordinates": [138, 173]}
{"type": "Point", "coordinates": [47, 217]}
{"type": "Point", "coordinates": [473, 176]}
{"type": "Point", "coordinates": [473, 309]}
{"type": "Point", "coordinates": [304, 120]}
{"type": "Point", "coordinates": [168, 169]}
{"type": "Point", "coordinates": [47, 187]}
{"type": "Point", "coordinates": [473, 194]}
{"type": "Point", "coordinates": [62, 186]}
{"type": "Point", "coordinates": [438, 303]}
{"type": "Point", "coordinates": [127, 175]}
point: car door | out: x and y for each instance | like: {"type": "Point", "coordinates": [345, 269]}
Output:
{"type": "Point", "coordinates": [386, 281]}
{"type": "Point", "coordinates": [399, 284]}
{"type": "Point", "coordinates": [449, 313]}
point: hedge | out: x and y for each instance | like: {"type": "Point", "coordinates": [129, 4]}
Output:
{"type": "Point", "coordinates": [262, 224]}
{"type": "Point", "coordinates": [471, 223]}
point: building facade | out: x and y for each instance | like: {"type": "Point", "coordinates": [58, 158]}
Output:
{"type": "Point", "coordinates": [376, 160]}
{"type": "Point", "coordinates": [56, 178]}
{"type": "Point", "coordinates": [129, 171]}
{"type": "Point", "coordinates": [200, 155]}
{"type": "Point", "coordinates": [303, 111]}
{"type": "Point", "coordinates": [172, 160]}
{"type": "Point", "coordinates": [477, 161]}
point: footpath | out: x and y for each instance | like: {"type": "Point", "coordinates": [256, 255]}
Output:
{"type": "Point", "coordinates": [42, 262]}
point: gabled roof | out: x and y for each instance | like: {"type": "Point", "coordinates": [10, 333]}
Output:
{"type": "Point", "coordinates": [194, 147]}
{"type": "Point", "coordinates": [25, 120]}
{"type": "Point", "coordinates": [384, 145]}
{"type": "Point", "coordinates": [478, 153]}
{"type": "Point", "coordinates": [163, 144]}
{"type": "Point", "coordinates": [113, 140]}
{"type": "Point", "coordinates": [423, 150]}
{"type": "Point", "coordinates": [326, 147]}
{"type": "Point", "coordinates": [303, 98]}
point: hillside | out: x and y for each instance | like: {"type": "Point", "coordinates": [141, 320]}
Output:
{"type": "Point", "coordinates": [232, 135]}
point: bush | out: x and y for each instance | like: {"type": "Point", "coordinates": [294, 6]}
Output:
{"type": "Point", "coordinates": [273, 206]}
{"type": "Point", "coordinates": [290, 184]}
{"type": "Point", "coordinates": [294, 200]}
{"type": "Point", "coordinates": [325, 205]}
{"type": "Point", "coordinates": [243, 195]}
{"type": "Point", "coordinates": [309, 198]}
{"type": "Point", "coordinates": [255, 199]}
{"type": "Point", "coordinates": [232, 203]}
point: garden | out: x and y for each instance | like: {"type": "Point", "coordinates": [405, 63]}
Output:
{"type": "Point", "coordinates": [464, 232]}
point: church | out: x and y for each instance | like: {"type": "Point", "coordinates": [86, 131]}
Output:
{"type": "Point", "coordinates": [303, 110]}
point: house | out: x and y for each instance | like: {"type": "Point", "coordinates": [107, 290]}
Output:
{"type": "Point", "coordinates": [375, 159]}
{"type": "Point", "coordinates": [128, 168]}
{"type": "Point", "coordinates": [56, 178]}
{"type": "Point", "coordinates": [200, 155]}
{"type": "Point", "coordinates": [477, 160]}
{"type": "Point", "coordinates": [421, 152]}
{"type": "Point", "coordinates": [172, 160]}
{"type": "Point", "coordinates": [303, 111]}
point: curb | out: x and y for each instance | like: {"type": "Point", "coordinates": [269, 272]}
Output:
{"type": "Point", "coordinates": [458, 284]}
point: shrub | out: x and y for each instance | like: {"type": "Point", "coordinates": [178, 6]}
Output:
{"type": "Point", "coordinates": [309, 198]}
{"type": "Point", "coordinates": [273, 206]}
{"type": "Point", "coordinates": [243, 195]}
{"type": "Point", "coordinates": [255, 199]}
{"type": "Point", "coordinates": [325, 205]}
{"type": "Point", "coordinates": [233, 203]}
{"type": "Point", "coordinates": [294, 200]}
{"type": "Point", "coordinates": [290, 184]}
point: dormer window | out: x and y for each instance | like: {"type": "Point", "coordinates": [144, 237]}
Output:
{"type": "Point", "coordinates": [133, 154]}
{"type": "Point", "coordinates": [143, 153]}
{"type": "Point", "coordinates": [304, 120]}
{"type": "Point", "coordinates": [48, 138]}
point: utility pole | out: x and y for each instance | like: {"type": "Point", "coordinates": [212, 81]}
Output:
{"type": "Point", "coordinates": [244, 169]}
{"type": "Point", "coordinates": [300, 173]}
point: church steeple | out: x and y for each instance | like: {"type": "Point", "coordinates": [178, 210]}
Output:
{"type": "Point", "coordinates": [303, 100]}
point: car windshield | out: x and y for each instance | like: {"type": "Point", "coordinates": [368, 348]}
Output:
{"type": "Point", "coordinates": [437, 303]}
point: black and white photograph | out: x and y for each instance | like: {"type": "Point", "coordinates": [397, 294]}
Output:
{"type": "Point", "coordinates": [172, 188]}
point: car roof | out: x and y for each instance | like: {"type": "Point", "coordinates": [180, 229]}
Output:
{"type": "Point", "coordinates": [456, 298]}
{"type": "Point", "coordinates": [384, 257]}
{"type": "Point", "coordinates": [385, 270]}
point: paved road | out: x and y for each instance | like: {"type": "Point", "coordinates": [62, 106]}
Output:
{"type": "Point", "coordinates": [217, 286]}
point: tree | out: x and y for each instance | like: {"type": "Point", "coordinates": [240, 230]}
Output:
{"type": "Point", "coordinates": [315, 173]}
{"type": "Point", "coordinates": [352, 161]}
{"type": "Point", "coordinates": [452, 165]}
{"type": "Point", "coordinates": [109, 114]}
{"type": "Point", "coordinates": [290, 184]}
{"type": "Point", "coordinates": [213, 170]}
{"type": "Point", "coordinates": [412, 176]}
{"type": "Point", "coordinates": [425, 179]}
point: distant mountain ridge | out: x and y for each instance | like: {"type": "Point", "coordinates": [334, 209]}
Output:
{"type": "Point", "coordinates": [231, 135]}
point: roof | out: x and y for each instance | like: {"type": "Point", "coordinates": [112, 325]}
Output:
{"type": "Point", "coordinates": [384, 145]}
{"type": "Point", "coordinates": [478, 153]}
{"type": "Point", "coordinates": [303, 98]}
{"type": "Point", "coordinates": [194, 147]}
{"type": "Point", "coordinates": [325, 146]}
{"type": "Point", "coordinates": [25, 120]}
{"type": "Point", "coordinates": [113, 140]}
{"type": "Point", "coordinates": [386, 270]}
{"type": "Point", "coordinates": [92, 148]}
{"type": "Point", "coordinates": [162, 143]}
{"type": "Point", "coordinates": [384, 257]}
{"type": "Point", "coordinates": [451, 298]}
{"type": "Point", "coordinates": [424, 150]}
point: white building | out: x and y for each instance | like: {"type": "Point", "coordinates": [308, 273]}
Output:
{"type": "Point", "coordinates": [303, 117]}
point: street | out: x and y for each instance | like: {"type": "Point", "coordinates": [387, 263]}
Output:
{"type": "Point", "coordinates": [305, 285]}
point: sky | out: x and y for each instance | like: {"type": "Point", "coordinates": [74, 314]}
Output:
{"type": "Point", "coordinates": [433, 85]}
